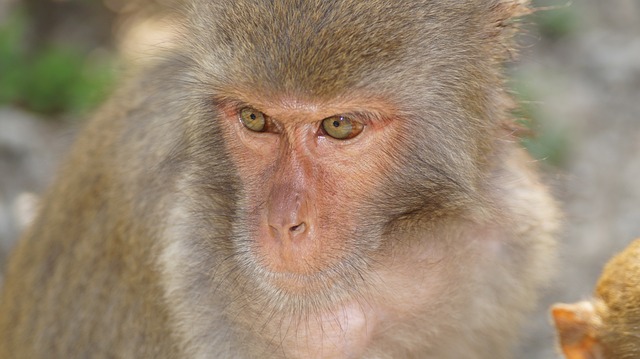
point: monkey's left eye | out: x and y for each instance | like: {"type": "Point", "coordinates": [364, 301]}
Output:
{"type": "Point", "coordinates": [253, 119]}
{"type": "Point", "coordinates": [341, 127]}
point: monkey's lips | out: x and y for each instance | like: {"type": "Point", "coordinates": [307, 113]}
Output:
{"type": "Point", "coordinates": [302, 284]}
{"type": "Point", "coordinates": [300, 270]}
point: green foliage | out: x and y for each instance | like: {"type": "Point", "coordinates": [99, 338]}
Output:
{"type": "Point", "coordinates": [547, 140]}
{"type": "Point", "coordinates": [50, 80]}
{"type": "Point", "coordinates": [12, 70]}
{"type": "Point", "coordinates": [556, 21]}
{"type": "Point", "coordinates": [548, 144]}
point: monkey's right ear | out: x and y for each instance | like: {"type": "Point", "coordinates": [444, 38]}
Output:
{"type": "Point", "coordinates": [576, 325]}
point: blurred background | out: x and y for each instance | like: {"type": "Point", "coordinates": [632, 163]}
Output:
{"type": "Point", "coordinates": [578, 79]}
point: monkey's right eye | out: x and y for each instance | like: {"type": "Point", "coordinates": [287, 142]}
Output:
{"type": "Point", "coordinates": [341, 127]}
{"type": "Point", "coordinates": [253, 119]}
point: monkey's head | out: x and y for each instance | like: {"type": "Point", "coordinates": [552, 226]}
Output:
{"type": "Point", "coordinates": [334, 133]}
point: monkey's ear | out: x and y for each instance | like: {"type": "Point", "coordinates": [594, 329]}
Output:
{"type": "Point", "coordinates": [577, 332]}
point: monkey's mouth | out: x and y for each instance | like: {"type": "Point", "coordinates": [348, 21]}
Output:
{"type": "Point", "coordinates": [320, 262]}
{"type": "Point", "coordinates": [301, 284]}
{"type": "Point", "coordinates": [296, 260]}
{"type": "Point", "coordinates": [335, 278]}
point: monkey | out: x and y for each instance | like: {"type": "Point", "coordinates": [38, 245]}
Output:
{"type": "Point", "coordinates": [607, 326]}
{"type": "Point", "coordinates": [295, 179]}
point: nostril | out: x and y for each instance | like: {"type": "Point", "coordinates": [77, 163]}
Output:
{"type": "Point", "coordinates": [274, 232]}
{"type": "Point", "coordinates": [300, 228]}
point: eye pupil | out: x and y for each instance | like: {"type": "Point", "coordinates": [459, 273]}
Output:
{"type": "Point", "coordinates": [336, 123]}
{"type": "Point", "coordinates": [253, 116]}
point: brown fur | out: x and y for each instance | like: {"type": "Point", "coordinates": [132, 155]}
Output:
{"type": "Point", "coordinates": [433, 232]}
{"type": "Point", "coordinates": [607, 327]}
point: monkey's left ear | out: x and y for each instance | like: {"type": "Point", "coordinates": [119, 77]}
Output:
{"type": "Point", "coordinates": [576, 332]}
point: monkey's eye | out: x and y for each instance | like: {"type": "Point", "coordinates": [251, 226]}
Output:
{"type": "Point", "coordinates": [253, 119]}
{"type": "Point", "coordinates": [341, 128]}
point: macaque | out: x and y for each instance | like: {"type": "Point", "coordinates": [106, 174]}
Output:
{"type": "Point", "coordinates": [608, 326]}
{"type": "Point", "coordinates": [295, 179]}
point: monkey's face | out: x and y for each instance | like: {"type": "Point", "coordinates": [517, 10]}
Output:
{"type": "Point", "coordinates": [307, 171]}
{"type": "Point", "coordinates": [339, 135]}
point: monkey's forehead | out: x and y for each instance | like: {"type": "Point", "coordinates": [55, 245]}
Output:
{"type": "Point", "coordinates": [321, 48]}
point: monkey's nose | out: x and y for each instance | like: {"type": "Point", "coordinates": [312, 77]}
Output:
{"type": "Point", "coordinates": [289, 215]}
{"type": "Point", "coordinates": [294, 230]}
{"type": "Point", "coordinates": [289, 247]}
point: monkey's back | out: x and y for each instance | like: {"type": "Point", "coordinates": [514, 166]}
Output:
{"type": "Point", "coordinates": [81, 282]}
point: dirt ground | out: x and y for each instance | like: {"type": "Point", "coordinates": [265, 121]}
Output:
{"type": "Point", "coordinates": [584, 88]}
